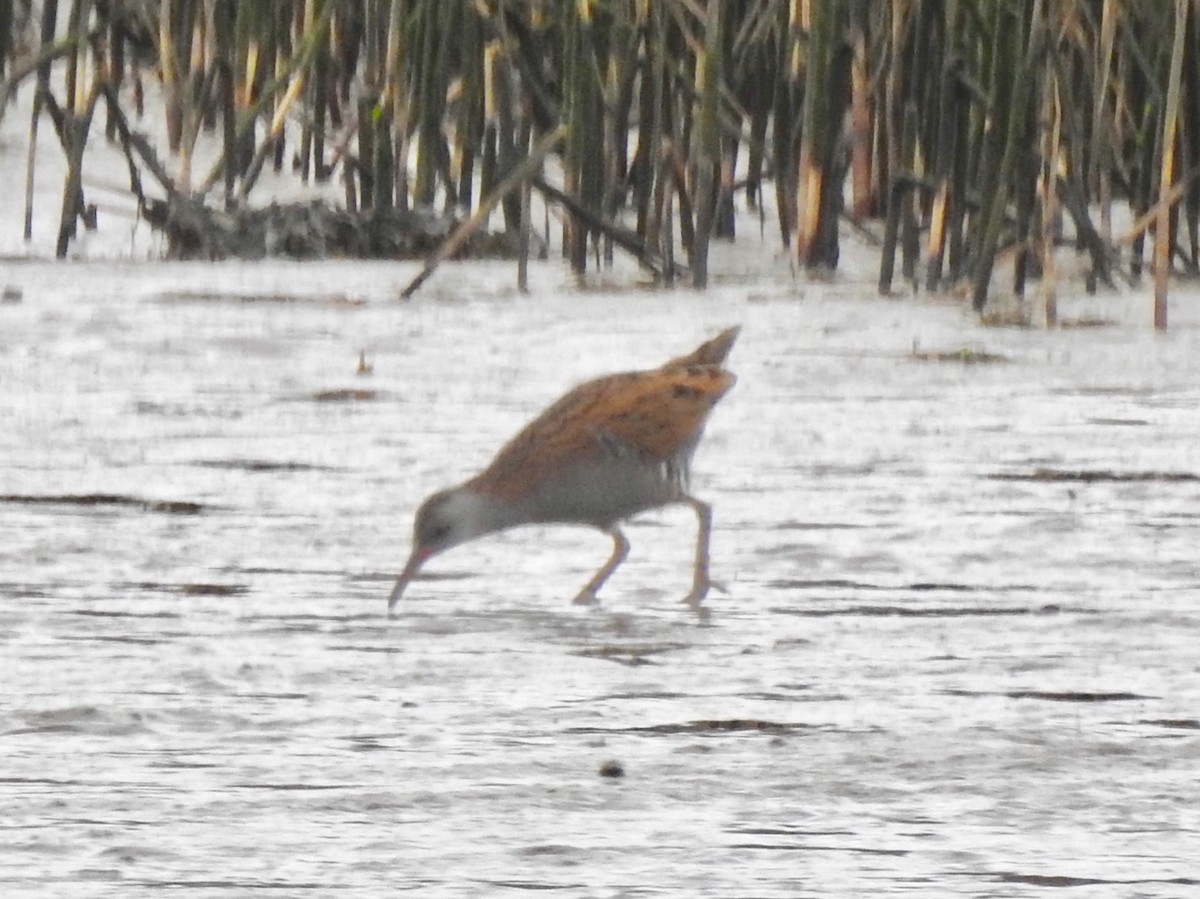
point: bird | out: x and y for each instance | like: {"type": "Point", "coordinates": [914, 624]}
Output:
{"type": "Point", "coordinates": [610, 448]}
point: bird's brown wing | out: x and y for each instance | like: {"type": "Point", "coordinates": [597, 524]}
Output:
{"type": "Point", "coordinates": [658, 414]}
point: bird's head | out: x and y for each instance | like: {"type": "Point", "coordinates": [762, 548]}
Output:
{"type": "Point", "coordinates": [446, 519]}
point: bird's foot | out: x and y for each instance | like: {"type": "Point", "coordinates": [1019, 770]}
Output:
{"type": "Point", "coordinates": [693, 601]}
{"type": "Point", "coordinates": [586, 597]}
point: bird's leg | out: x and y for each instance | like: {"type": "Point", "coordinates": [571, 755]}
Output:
{"type": "Point", "coordinates": [700, 581]}
{"type": "Point", "coordinates": [587, 595]}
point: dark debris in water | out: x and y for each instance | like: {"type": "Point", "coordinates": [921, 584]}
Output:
{"type": "Point", "coordinates": [112, 613]}
{"type": "Point", "coordinates": [923, 612]}
{"type": "Point", "coordinates": [964, 356]}
{"type": "Point", "coordinates": [797, 525]}
{"type": "Point", "coordinates": [1173, 723]}
{"type": "Point", "coordinates": [215, 296]}
{"type": "Point", "coordinates": [1119, 422]}
{"type": "Point", "coordinates": [791, 831]}
{"type": "Point", "coordinates": [171, 507]}
{"type": "Point", "coordinates": [721, 726]}
{"type": "Point", "coordinates": [1075, 696]}
{"type": "Point", "coordinates": [612, 769]}
{"type": "Point", "coordinates": [15, 590]}
{"type": "Point", "coordinates": [792, 847]}
{"type": "Point", "coordinates": [213, 589]}
{"type": "Point", "coordinates": [235, 887]}
{"type": "Point", "coordinates": [1086, 323]}
{"type": "Point", "coordinates": [1057, 695]}
{"type": "Point", "coordinates": [259, 465]}
{"type": "Point", "coordinates": [346, 395]}
{"type": "Point", "coordinates": [703, 727]}
{"type": "Point", "coordinates": [187, 589]}
{"type": "Point", "coordinates": [337, 300]}
{"type": "Point", "coordinates": [174, 507]}
{"type": "Point", "coordinates": [123, 638]}
{"type": "Point", "coordinates": [627, 695]}
{"type": "Point", "coordinates": [546, 849]}
{"type": "Point", "coordinates": [286, 786]}
{"type": "Point", "coordinates": [915, 586]}
{"type": "Point", "coordinates": [820, 583]}
{"type": "Point", "coordinates": [1094, 476]}
{"type": "Point", "coordinates": [1059, 880]}
{"type": "Point", "coordinates": [538, 885]}
{"type": "Point", "coordinates": [632, 654]}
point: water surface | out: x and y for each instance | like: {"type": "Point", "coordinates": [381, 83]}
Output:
{"type": "Point", "coordinates": [956, 654]}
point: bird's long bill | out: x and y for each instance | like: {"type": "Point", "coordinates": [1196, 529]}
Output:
{"type": "Point", "coordinates": [415, 561]}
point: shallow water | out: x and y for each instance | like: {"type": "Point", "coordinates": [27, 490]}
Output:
{"type": "Point", "coordinates": [956, 655]}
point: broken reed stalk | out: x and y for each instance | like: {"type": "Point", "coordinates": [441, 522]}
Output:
{"type": "Point", "coordinates": [430, 84]}
{"type": "Point", "coordinates": [1163, 236]}
{"type": "Point", "coordinates": [395, 94]}
{"type": "Point", "coordinates": [944, 149]}
{"type": "Point", "coordinates": [1001, 187]}
{"type": "Point", "coordinates": [1103, 106]}
{"type": "Point", "coordinates": [225, 22]}
{"type": "Point", "coordinates": [40, 96]}
{"type": "Point", "coordinates": [73, 123]}
{"type": "Point", "coordinates": [21, 69]}
{"type": "Point", "coordinates": [648, 169]}
{"type": "Point", "coordinates": [862, 194]}
{"type": "Point", "coordinates": [1051, 128]}
{"type": "Point", "coordinates": [706, 141]}
{"type": "Point", "coordinates": [6, 35]}
{"type": "Point", "coordinates": [917, 101]}
{"type": "Point", "coordinates": [621, 237]}
{"type": "Point", "coordinates": [75, 129]}
{"type": "Point", "coordinates": [468, 116]}
{"type": "Point", "coordinates": [319, 104]}
{"type": "Point", "coordinates": [168, 68]}
{"type": "Point", "coordinates": [814, 124]}
{"type": "Point", "coordinates": [583, 110]}
{"type": "Point", "coordinates": [463, 232]}
{"type": "Point", "coordinates": [910, 199]}
{"type": "Point", "coordinates": [525, 233]}
{"type": "Point", "coordinates": [283, 91]}
{"type": "Point", "coordinates": [619, 79]}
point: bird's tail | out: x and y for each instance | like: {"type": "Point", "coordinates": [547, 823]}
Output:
{"type": "Point", "coordinates": [711, 352]}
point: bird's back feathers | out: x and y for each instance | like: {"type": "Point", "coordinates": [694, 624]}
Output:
{"type": "Point", "coordinates": [657, 414]}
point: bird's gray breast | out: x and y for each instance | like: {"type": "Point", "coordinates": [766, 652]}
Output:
{"type": "Point", "coordinates": [614, 482]}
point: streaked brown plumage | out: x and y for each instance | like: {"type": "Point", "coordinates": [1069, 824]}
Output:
{"type": "Point", "coordinates": [610, 448]}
